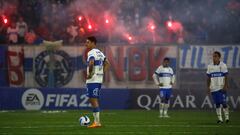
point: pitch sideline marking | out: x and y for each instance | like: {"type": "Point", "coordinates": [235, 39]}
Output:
{"type": "Point", "coordinates": [112, 126]}
{"type": "Point", "coordinates": [122, 132]}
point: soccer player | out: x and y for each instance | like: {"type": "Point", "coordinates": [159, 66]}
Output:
{"type": "Point", "coordinates": [164, 78]}
{"type": "Point", "coordinates": [97, 65]}
{"type": "Point", "coordinates": [217, 86]}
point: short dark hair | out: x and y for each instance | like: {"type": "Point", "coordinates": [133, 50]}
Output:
{"type": "Point", "coordinates": [92, 39]}
{"type": "Point", "coordinates": [218, 53]}
{"type": "Point", "coordinates": [167, 59]}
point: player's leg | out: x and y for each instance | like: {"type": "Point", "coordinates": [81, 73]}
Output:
{"type": "Point", "coordinates": [166, 102]}
{"type": "Point", "coordinates": [93, 94]}
{"type": "Point", "coordinates": [225, 106]}
{"type": "Point", "coordinates": [161, 106]}
{"type": "Point", "coordinates": [96, 109]}
{"type": "Point", "coordinates": [216, 98]}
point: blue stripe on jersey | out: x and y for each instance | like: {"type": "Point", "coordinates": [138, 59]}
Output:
{"type": "Point", "coordinates": [90, 58]}
{"type": "Point", "coordinates": [217, 74]}
{"type": "Point", "coordinates": [97, 63]}
{"type": "Point", "coordinates": [209, 75]}
{"type": "Point", "coordinates": [164, 74]}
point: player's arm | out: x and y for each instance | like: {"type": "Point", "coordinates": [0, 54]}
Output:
{"type": "Point", "coordinates": [225, 77]}
{"type": "Point", "coordinates": [208, 81]}
{"type": "Point", "coordinates": [90, 68]}
{"type": "Point", "coordinates": [172, 78]}
{"type": "Point", "coordinates": [156, 79]}
{"type": "Point", "coordinates": [208, 84]}
{"type": "Point", "coordinates": [225, 82]}
{"type": "Point", "coordinates": [106, 65]}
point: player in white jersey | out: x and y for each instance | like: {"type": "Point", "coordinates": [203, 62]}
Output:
{"type": "Point", "coordinates": [217, 86]}
{"type": "Point", "coordinates": [97, 65]}
{"type": "Point", "coordinates": [164, 78]}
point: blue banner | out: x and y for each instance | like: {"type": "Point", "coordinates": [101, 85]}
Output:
{"type": "Point", "coordinates": [53, 98]}
{"type": "Point", "coordinates": [73, 98]}
{"type": "Point", "coordinates": [199, 56]}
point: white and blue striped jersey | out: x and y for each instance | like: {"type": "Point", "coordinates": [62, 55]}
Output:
{"type": "Point", "coordinates": [217, 75]}
{"type": "Point", "coordinates": [98, 58]}
{"type": "Point", "coordinates": [165, 76]}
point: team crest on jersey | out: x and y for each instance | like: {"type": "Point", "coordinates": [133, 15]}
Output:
{"type": "Point", "coordinates": [59, 69]}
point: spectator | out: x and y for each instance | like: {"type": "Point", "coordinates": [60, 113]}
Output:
{"type": "Point", "coordinates": [72, 30]}
{"type": "Point", "coordinates": [12, 33]}
{"type": "Point", "coordinates": [126, 17]}
{"type": "Point", "coordinates": [43, 31]}
{"type": "Point", "coordinates": [22, 30]}
{"type": "Point", "coordinates": [30, 37]}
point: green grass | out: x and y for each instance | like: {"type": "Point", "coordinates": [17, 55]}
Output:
{"type": "Point", "coordinates": [132, 122]}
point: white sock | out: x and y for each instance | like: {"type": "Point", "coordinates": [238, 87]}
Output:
{"type": "Point", "coordinates": [96, 116]}
{"type": "Point", "coordinates": [219, 113]}
{"type": "Point", "coordinates": [166, 106]}
{"type": "Point", "coordinates": [161, 107]}
{"type": "Point", "coordinates": [226, 113]}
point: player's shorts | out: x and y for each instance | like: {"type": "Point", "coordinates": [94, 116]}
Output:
{"type": "Point", "coordinates": [219, 97]}
{"type": "Point", "coordinates": [93, 90]}
{"type": "Point", "coordinates": [165, 94]}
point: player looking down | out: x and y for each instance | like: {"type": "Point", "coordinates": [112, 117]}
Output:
{"type": "Point", "coordinates": [97, 65]}
{"type": "Point", "coordinates": [217, 86]}
{"type": "Point", "coordinates": [164, 78]}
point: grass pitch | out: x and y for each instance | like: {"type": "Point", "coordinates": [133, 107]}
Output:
{"type": "Point", "coordinates": [117, 122]}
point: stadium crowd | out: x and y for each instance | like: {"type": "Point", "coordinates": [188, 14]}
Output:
{"type": "Point", "coordinates": [136, 21]}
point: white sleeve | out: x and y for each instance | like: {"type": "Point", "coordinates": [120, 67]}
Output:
{"type": "Point", "coordinates": [155, 77]}
{"type": "Point", "coordinates": [208, 71]}
{"type": "Point", "coordinates": [90, 56]}
{"type": "Point", "coordinates": [224, 69]}
{"type": "Point", "coordinates": [173, 77]}
{"type": "Point", "coordinates": [104, 57]}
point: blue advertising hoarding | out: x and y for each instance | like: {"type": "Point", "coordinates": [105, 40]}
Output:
{"type": "Point", "coordinates": [72, 98]}
{"type": "Point", "coordinates": [53, 98]}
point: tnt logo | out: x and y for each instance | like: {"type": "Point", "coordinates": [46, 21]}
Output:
{"type": "Point", "coordinates": [32, 99]}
